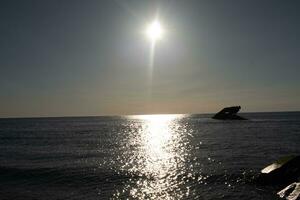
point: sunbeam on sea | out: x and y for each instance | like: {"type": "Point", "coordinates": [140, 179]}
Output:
{"type": "Point", "coordinates": [143, 157]}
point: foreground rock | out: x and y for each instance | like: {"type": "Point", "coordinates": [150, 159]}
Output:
{"type": "Point", "coordinates": [291, 192]}
{"type": "Point", "coordinates": [283, 171]}
{"type": "Point", "coordinates": [229, 113]}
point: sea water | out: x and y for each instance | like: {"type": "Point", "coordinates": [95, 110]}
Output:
{"type": "Point", "coordinates": [143, 157]}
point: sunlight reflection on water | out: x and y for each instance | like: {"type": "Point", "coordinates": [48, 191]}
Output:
{"type": "Point", "coordinates": [157, 156]}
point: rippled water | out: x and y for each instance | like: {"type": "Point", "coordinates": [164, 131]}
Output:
{"type": "Point", "coordinates": [143, 157]}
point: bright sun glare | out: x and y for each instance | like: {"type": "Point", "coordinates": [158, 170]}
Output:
{"type": "Point", "coordinates": [154, 31]}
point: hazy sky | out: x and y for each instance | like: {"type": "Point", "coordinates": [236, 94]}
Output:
{"type": "Point", "coordinates": [84, 57]}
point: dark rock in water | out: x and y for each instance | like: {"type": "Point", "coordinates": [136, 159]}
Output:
{"type": "Point", "coordinates": [291, 192]}
{"type": "Point", "coordinates": [229, 113]}
{"type": "Point", "coordinates": [283, 171]}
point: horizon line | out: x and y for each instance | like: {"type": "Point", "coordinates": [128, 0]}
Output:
{"type": "Point", "coordinates": [123, 115]}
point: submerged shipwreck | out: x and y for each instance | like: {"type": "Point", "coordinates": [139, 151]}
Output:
{"type": "Point", "coordinates": [229, 113]}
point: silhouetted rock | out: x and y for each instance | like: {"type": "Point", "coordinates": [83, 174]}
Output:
{"type": "Point", "coordinates": [291, 192]}
{"type": "Point", "coordinates": [283, 171]}
{"type": "Point", "coordinates": [229, 113]}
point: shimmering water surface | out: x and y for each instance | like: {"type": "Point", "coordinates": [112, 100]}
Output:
{"type": "Point", "coordinates": [143, 157]}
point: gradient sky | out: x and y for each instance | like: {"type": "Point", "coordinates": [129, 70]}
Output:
{"type": "Point", "coordinates": [70, 58]}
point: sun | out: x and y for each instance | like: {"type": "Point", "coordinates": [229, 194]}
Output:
{"type": "Point", "coordinates": [154, 31]}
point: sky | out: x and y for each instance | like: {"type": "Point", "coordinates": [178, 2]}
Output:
{"type": "Point", "coordinates": [91, 58]}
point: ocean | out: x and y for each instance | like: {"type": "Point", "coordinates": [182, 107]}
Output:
{"type": "Point", "coordinates": [143, 157]}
